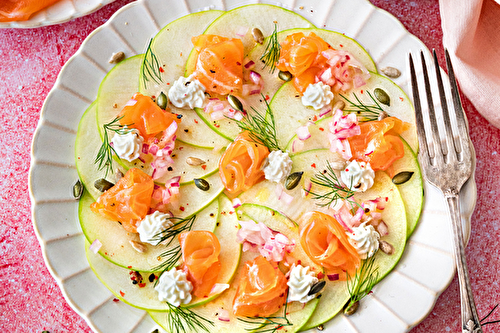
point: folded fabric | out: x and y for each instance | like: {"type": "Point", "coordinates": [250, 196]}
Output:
{"type": "Point", "coordinates": [471, 33]}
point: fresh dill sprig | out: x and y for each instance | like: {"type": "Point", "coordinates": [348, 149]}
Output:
{"type": "Point", "coordinates": [173, 255]}
{"type": "Point", "coordinates": [261, 128]}
{"type": "Point", "coordinates": [168, 235]}
{"type": "Point", "coordinates": [185, 320]}
{"type": "Point", "coordinates": [335, 190]}
{"type": "Point", "coordinates": [362, 282]}
{"type": "Point", "coordinates": [364, 111]}
{"type": "Point", "coordinates": [104, 158]}
{"type": "Point", "coordinates": [272, 52]}
{"type": "Point", "coordinates": [268, 324]}
{"type": "Point", "coordinates": [150, 69]}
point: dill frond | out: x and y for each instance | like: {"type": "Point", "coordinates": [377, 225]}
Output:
{"type": "Point", "coordinates": [362, 282]}
{"type": "Point", "coordinates": [150, 70]}
{"type": "Point", "coordinates": [185, 320]}
{"type": "Point", "coordinates": [335, 190]}
{"type": "Point", "coordinates": [364, 111]}
{"type": "Point", "coordinates": [168, 235]}
{"type": "Point", "coordinates": [173, 255]}
{"type": "Point", "coordinates": [104, 158]}
{"type": "Point", "coordinates": [272, 52]}
{"type": "Point", "coordinates": [261, 128]}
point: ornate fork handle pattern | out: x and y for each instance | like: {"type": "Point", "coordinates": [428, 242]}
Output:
{"type": "Point", "coordinates": [446, 159]}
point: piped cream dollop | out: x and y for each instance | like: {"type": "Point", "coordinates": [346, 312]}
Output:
{"type": "Point", "coordinates": [128, 146]}
{"type": "Point", "coordinates": [358, 176]}
{"type": "Point", "coordinates": [364, 239]}
{"type": "Point", "coordinates": [278, 167]}
{"type": "Point", "coordinates": [151, 225]}
{"type": "Point", "coordinates": [187, 92]}
{"type": "Point", "coordinates": [318, 95]}
{"type": "Point", "coordinates": [300, 281]}
{"type": "Point", "coordinates": [174, 288]}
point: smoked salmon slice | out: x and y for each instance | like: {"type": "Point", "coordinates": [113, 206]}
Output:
{"type": "Point", "coordinates": [220, 63]}
{"type": "Point", "coordinates": [21, 10]}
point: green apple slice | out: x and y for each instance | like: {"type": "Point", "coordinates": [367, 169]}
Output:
{"type": "Point", "coordinates": [118, 279]}
{"type": "Point", "coordinates": [86, 147]}
{"type": "Point", "coordinates": [115, 240]}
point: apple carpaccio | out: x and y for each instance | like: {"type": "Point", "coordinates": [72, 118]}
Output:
{"type": "Point", "coordinates": [273, 195]}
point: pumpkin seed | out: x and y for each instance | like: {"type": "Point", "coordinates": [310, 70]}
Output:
{"type": "Point", "coordinates": [103, 185]}
{"type": "Point", "coordinates": [194, 161]}
{"type": "Point", "coordinates": [402, 177]}
{"type": "Point", "coordinates": [320, 327]}
{"type": "Point", "coordinates": [391, 72]}
{"type": "Point", "coordinates": [386, 247]}
{"type": "Point", "coordinates": [257, 35]}
{"type": "Point", "coordinates": [285, 76]}
{"type": "Point", "coordinates": [316, 288]}
{"type": "Point", "coordinates": [382, 115]}
{"type": "Point", "coordinates": [118, 175]}
{"type": "Point", "coordinates": [293, 180]}
{"type": "Point", "coordinates": [138, 246]}
{"type": "Point", "coordinates": [78, 189]}
{"type": "Point", "coordinates": [162, 101]}
{"type": "Point", "coordinates": [340, 105]}
{"type": "Point", "coordinates": [352, 310]}
{"type": "Point", "coordinates": [235, 102]}
{"type": "Point", "coordinates": [116, 57]}
{"type": "Point", "coordinates": [202, 184]}
{"type": "Point", "coordinates": [382, 96]}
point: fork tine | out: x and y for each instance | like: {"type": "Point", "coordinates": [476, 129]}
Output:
{"type": "Point", "coordinates": [434, 148]}
{"type": "Point", "coordinates": [418, 111]}
{"type": "Point", "coordinates": [461, 122]}
{"type": "Point", "coordinates": [444, 105]}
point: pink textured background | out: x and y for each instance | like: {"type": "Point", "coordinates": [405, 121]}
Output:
{"type": "Point", "coordinates": [30, 60]}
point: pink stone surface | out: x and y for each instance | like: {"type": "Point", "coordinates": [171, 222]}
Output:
{"type": "Point", "coordinates": [31, 59]}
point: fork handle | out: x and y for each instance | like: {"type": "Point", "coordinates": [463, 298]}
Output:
{"type": "Point", "coordinates": [470, 320]}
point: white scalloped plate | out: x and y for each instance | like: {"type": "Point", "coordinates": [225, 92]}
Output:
{"type": "Point", "coordinates": [59, 12]}
{"type": "Point", "coordinates": [398, 303]}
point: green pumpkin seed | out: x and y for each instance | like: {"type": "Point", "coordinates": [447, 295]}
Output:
{"type": "Point", "coordinates": [316, 288]}
{"type": "Point", "coordinates": [202, 184]}
{"type": "Point", "coordinates": [382, 96]}
{"type": "Point", "coordinates": [235, 102]}
{"type": "Point", "coordinates": [402, 177]}
{"type": "Point", "coordinates": [78, 189]}
{"type": "Point", "coordinates": [257, 35]}
{"type": "Point", "coordinates": [285, 76]}
{"type": "Point", "coordinates": [162, 101]}
{"type": "Point", "coordinates": [348, 311]}
{"type": "Point", "coordinates": [293, 180]}
{"type": "Point", "coordinates": [103, 185]}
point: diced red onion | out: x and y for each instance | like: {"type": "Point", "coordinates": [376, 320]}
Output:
{"type": "Point", "coordinates": [95, 246]}
{"type": "Point", "coordinates": [241, 31]}
{"type": "Point", "coordinates": [217, 115]}
{"type": "Point", "coordinates": [333, 277]}
{"type": "Point", "coordinates": [224, 315]}
{"type": "Point", "coordinates": [249, 64]}
{"type": "Point", "coordinates": [255, 77]}
{"type": "Point", "coordinates": [145, 148]}
{"type": "Point", "coordinates": [303, 133]}
{"type": "Point", "coordinates": [383, 229]}
{"type": "Point", "coordinates": [324, 111]}
{"type": "Point", "coordinates": [236, 202]}
{"type": "Point", "coordinates": [238, 116]}
{"type": "Point", "coordinates": [307, 187]}
{"type": "Point", "coordinates": [287, 198]}
{"type": "Point", "coordinates": [297, 146]}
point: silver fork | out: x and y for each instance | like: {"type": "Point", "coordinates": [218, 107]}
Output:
{"type": "Point", "coordinates": [446, 159]}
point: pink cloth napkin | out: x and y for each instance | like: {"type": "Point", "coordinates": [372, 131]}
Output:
{"type": "Point", "coordinates": [471, 33]}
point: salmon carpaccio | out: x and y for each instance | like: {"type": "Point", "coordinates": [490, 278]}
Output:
{"type": "Point", "coordinates": [261, 289]}
{"type": "Point", "coordinates": [128, 201]}
{"type": "Point", "coordinates": [324, 240]}
{"type": "Point", "coordinates": [220, 63]}
{"type": "Point", "coordinates": [21, 10]}
{"type": "Point", "coordinates": [200, 256]}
